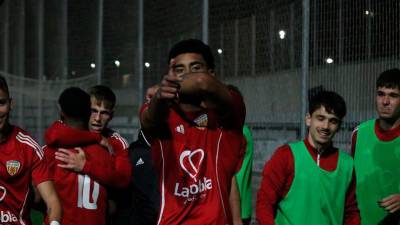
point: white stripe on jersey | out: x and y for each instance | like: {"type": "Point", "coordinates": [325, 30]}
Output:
{"type": "Point", "coordinates": [29, 141]}
{"type": "Point", "coordinates": [145, 139]}
{"type": "Point", "coordinates": [121, 139]}
{"type": "Point", "coordinates": [162, 186]}
{"type": "Point", "coordinates": [216, 173]}
{"type": "Point", "coordinates": [354, 131]}
{"type": "Point", "coordinates": [21, 213]}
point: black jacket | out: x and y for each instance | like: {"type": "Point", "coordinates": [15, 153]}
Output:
{"type": "Point", "coordinates": [139, 203]}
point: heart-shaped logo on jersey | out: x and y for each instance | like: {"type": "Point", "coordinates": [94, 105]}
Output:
{"type": "Point", "coordinates": [191, 161]}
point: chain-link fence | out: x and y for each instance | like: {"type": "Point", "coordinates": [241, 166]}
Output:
{"type": "Point", "coordinates": [267, 48]}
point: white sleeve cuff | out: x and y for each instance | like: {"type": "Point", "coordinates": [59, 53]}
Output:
{"type": "Point", "coordinates": [54, 222]}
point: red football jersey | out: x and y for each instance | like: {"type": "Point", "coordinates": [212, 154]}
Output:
{"type": "Point", "coordinates": [119, 172]}
{"type": "Point", "coordinates": [196, 165]}
{"type": "Point", "coordinates": [22, 162]}
{"type": "Point", "coordinates": [83, 198]}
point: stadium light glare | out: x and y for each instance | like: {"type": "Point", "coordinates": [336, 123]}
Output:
{"type": "Point", "coordinates": [329, 60]}
{"type": "Point", "coordinates": [219, 51]}
{"type": "Point", "coordinates": [282, 34]}
{"type": "Point", "coordinates": [369, 13]}
{"type": "Point", "coordinates": [92, 65]}
{"type": "Point", "coordinates": [147, 64]}
{"type": "Point", "coordinates": [117, 63]}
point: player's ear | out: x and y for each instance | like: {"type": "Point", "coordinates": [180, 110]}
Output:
{"type": "Point", "coordinates": [308, 119]}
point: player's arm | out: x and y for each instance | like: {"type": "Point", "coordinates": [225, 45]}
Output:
{"type": "Point", "coordinates": [70, 136]}
{"type": "Point", "coordinates": [214, 93]}
{"type": "Point", "coordinates": [112, 175]}
{"type": "Point", "coordinates": [122, 169]}
{"type": "Point", "coordinates": [275, 176]}
{"type": "Point", "coordinates": [41, 179]}
{"type": "Point", "coordinates": [49, 195]}
{"type": "Point", "coordinates": [234, 202]}
{"type": "Point", "coordinates": [156, 111]}
{"type": "Point", "coordinates": [123, 166]}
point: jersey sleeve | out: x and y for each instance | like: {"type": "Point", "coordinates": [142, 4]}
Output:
{"type": "Point", "coordinates": [61, 135]}
{"type": "Point", "coordinates": [123, 167]}
{"type": "Point", "coordinates": [118, 173]}
{"type": "Point", "coordinates": [275, 177]}
{"type": "Point", "coordinates": [235, 119]}
{"type": "Point", "coordinates": [39, 169]}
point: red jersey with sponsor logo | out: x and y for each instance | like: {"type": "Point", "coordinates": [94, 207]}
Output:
{"type": "Point", "coordinates": [83, 198]}
{"type": "Point", "coordinates": [196, 165]}
{"type": "Point", "coordinates": [21, 163]}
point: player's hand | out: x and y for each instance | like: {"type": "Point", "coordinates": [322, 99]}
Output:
{"type": "Point", "coordinates": [105, 143]}
{"type": "Point", "coordinates": [391, 203]}
{"type": "Point", "coordinates": [151, 91]}
{"type": "Point", "coordinates": [169, 86]}
{"type": "Point", "coordinates": [71, 160]}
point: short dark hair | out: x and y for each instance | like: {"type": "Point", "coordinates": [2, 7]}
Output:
{"type": "Point", "coordinates": [4, 85]}
{"type": "Point", "coordinates": [104, 94]}
{"type": "Point", "coordinates": [75, 103]}
{"type": "Point", "coordinates": [389, 79]}
{"type": "Point", "coordinates": [332, 101]}
{"type": "Point", "coordinates": [193, 46]}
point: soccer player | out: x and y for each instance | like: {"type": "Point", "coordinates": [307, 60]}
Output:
{"type": "Point", "coordinates": [22, 163]}
{"type": "Point", "coordinates": [102, 106]}
{"type": "Point", "coordinates": [311, 181]}
{"type": "Point", "coordinates": [103, 101]}
{"type": "Point", "coordinates": [194, 123]}
{"type": "Point", "coordinates": [83, 198]}
{"type": "Point", "coordinates": [376, 150]}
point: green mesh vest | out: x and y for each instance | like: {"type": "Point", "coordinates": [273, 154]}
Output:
{"type": "Point", "coordinates": [377, 165]}
{"type": "Point", "coordinates": [243, 177]}
{"type": "Point", "coordinates": [316, 196]}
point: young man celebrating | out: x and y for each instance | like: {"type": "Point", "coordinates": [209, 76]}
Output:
{"type": "Point", "coordinates": [194, 124]}
{"type": "Point", "coordinates": [102, 103]}
{"type": "Point", "coordinates": [81, 193]}
{"type": "Point", "coordinates": [310, 181]}
{"type": "Point", "coordinates": [102, 106]}
{"type": "Point", "coordinates": [376, 149]}
{"type": "Point", "coordinates": [22, 163]}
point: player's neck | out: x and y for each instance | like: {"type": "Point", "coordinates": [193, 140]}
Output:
{"type": "Point", "coordinates": [5, 132]}
{"type": "Point", "coordinates": [190, 108]}
{"type": "Point", "coordinates": [76, 124]}
{"type": "Point", "coordinates": [388, 124]}
{"type": "Point", "coordinates": [319, 148]}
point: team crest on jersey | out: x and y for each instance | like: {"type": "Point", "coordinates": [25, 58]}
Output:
{"type": "Point", "coordinates": [201, 121]}
{"type": "Point", "coordinates": [13, 167]}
